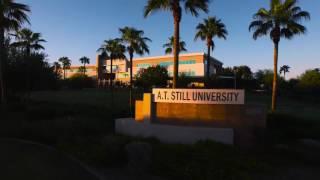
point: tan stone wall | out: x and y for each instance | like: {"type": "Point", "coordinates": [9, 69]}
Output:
{"type": "Point", "coordinates": [216, 115]}
{"type": "Point", "coordinates": [245, 120]}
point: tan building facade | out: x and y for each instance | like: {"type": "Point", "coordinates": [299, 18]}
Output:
{"type": "Point", "coordinates": [91, 71]}
{"type": "Point", "coordinates": [190, 64]}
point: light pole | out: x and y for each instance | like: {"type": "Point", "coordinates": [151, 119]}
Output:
{"type": "Point", "coordinates": [235, 78]}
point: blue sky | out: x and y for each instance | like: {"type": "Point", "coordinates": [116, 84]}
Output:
{"type": "Point", "coordinates": [76, 28]}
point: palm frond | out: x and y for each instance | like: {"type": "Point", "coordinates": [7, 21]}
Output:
{"type": "Point", "coordinates": [193, 6]}
{"type": "Point", "coordinates": [156, 5]}
{"type": "Point", "coordinates": [301, 15]}
{"type": "Point", "coordinates": [14, 15]}
{"type": "Point", "coordinates": [169, 46]}
{"type": "Point", "coordinates": [134, 40]}
{"type": "Point", "coordinates": [260, 28]}
{"type": "Point", "coordinates": [168, 50]}
{"type": "Point", "coordinates": [287, 33]}
{"type": "Point", "coordinates": [262, 14]}
{"type": "Point", "coordinates": [211, 28]}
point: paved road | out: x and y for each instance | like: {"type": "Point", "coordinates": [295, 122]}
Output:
{"type": "Point", "coordinates": [26, 160]}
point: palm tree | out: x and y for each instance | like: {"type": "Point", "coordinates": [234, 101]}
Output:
{"type": "Point", "coordinates": [82, 70]}
{"type": "Point", "coordinates": [28, 41]}
{"type": "Point", "coordinates": [174, 6]}
{"type": "Point", "coordinates": [135, 42]}
{"type": "Point", "coordinates": [284, 69]}
{"type": "Point", "coordinates": [282, 20]}
{"type": "Point", "coordinates": [114, 50]}
{"type": "Point", "coordinates": [57, 68]}
{"type": "Point", "coordinates": [66, 63]}
{"type": "Point", "coordinates": [169, 46]}
{"type": "Point", "coordinates": [207, 31]}
{"type": "Point", "coordinates": [84, 60]}
{"type": "Point", "coordinates": [12, 16]}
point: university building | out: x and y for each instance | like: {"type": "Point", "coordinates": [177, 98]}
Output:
{"type": "Point", "coordinates": [192, 65]}
{"type": "Point", "coordinates": [91, 71]}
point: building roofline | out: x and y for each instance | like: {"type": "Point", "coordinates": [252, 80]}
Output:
{"type": "Point", "coordinates": [87, 66]}
{"type": "Point", "coordinates": [169, 56]}
{"type": "Point", "coordinates": [214, 59]}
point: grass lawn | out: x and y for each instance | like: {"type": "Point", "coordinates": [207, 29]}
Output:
{"type": "Point", "coordinates": [81, 123]}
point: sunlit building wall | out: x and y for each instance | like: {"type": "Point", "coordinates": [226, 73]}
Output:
{"type": "Point", "coordinates": [91, 71]}
{"type": "Point", "coordinates": [191, 65]}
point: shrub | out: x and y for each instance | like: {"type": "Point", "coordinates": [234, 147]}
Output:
{"type": "Point", "coordinates": [284, 127]}
{"type": "Point", "coordinates": [80, 81]}
{"type": "Point", "coordinates": [310, 81]}
{"type": "Point", "coordinates": [184, 81]}
{"type": "Point", "coordinates": [152, 77]}
{"type": "Point", "coordinates": [204, 160]}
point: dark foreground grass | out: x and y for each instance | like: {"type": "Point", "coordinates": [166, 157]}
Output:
{"type": "Point", "coordinates": [204, 160]}
{"type": "Point", "coordinates": [81, 123]}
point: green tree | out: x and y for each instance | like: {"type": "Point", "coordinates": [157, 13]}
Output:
{"type": "Point", "coordinates": [66, 63]}
{"type": "Point", "coordinates": [28, 41]}
{"type": "Point", "coordinates": [114, 50]}
{"type": "Point", "coordinates": [84, 60]}
{"type": "Point", "coordinates": [243, 72]}
{"type": "Point", "coordinates": [12, 16]}
{"type": "Point", "coordinates": [57, 69]}
{"type": "Point", "coordinates": [156, 76]}
{"type": "Point", "coordinates": [265, 78]}
{"type": "Point", "coordinates": [207, 31]}
{"type": "Point", "coordinates": [227, 71]}
{"type": "Point", "coordinates": [284, 69]}
{"type": "Point", "coordinates": [39, 75]}
{"type": "Point", "coordinates": [310, 80]}
{"type": "Point", "coordinates": [282, 20]}
{"type": "Point", "coordinates": [170, 44]}
{"type": "Point", "coordinates": [174, 6]}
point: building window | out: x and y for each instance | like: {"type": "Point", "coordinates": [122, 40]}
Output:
{"type": "Point", "coordinates": [143, 65]}
{"type": "Point", "coordinates": [169, 63]}
{"type": "Point", "coordinates": [188, 73]}
{"type": "Point", "coordinates": [188, 62]}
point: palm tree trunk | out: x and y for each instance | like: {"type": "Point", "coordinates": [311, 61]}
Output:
{"type": "Point", "coordinates": [84, 68]}
{"type": "Point", "coordinates": [28, 51]}
{"type": "Point", "coordinates": [111, 72]}
{"type": "Point", "coordinates": [275, 77]}
{"type": "Point", "coordinates": [208, 66]}
{"type": "Point", "coordinates": [2, 61]}
{"type": "Point", "coordinates": [176, 49]}
{"type": "Point", "coordinates": [111, 86]}
{"type": "Point", "coordinates": [131, 83]}
{"type": "Point", "coordinates": [64, 73]}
